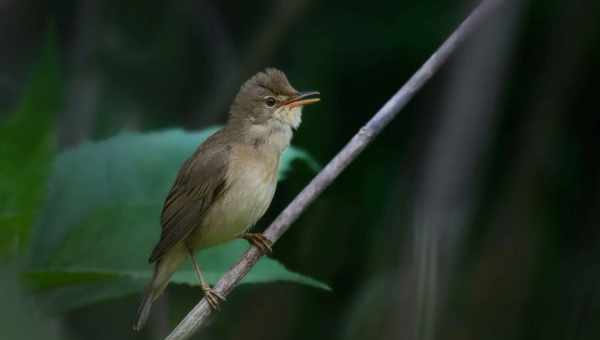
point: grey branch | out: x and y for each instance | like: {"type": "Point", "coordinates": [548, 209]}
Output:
{"type": "Point", "coordinates": [200, 313]}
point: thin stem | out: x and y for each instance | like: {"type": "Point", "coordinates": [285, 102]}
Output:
{"type": "Point", "coordinates": [200, 313]}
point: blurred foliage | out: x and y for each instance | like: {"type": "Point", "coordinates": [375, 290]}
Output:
{"type": "Point", "coordinates": [24, 307]}
{"type": "Point", "coordinates": [100, 220]}
{"type": "Point", "coordinates": [27, 144]}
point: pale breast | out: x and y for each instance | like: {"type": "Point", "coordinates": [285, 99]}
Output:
{"type": "Point", "coordinates": [251, 182]}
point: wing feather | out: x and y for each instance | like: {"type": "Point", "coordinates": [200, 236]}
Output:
{"type": "Point", "coordinates": [200, 181]}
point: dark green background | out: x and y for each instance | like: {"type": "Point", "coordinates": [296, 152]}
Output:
{"type": "Point", "coordinates": [474, 215]}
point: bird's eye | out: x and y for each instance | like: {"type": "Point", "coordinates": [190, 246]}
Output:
{"type": "Point", "coordinates": [270, 101]}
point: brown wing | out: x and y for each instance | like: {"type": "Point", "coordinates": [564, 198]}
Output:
{"type": "Point", "coordinates": [200, 181]}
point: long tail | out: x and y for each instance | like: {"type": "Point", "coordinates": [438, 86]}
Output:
{"type": "Point", "coordinates": [163, 270]}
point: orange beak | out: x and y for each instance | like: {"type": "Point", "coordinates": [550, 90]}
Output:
{"type": "Point", "coordinates": [302, 98]}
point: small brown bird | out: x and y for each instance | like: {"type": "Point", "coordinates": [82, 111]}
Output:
{"type": "Point", "coordinates": [228, 183]}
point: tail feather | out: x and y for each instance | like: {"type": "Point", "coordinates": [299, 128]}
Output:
{"type": "Point", "coordinates": [144, 309]}
{"type": "Point", "coordinates": [163, 270]}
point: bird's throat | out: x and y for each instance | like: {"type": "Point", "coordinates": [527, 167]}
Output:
{"type": "Point", "coordinates": [291, 116]}
{"type": "Point", "coordinates": [273, 136]}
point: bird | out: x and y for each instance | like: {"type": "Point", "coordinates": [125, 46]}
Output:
{"type": "Point", "coordinates": [228, 183]}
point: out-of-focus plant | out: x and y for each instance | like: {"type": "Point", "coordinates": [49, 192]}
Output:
{"type": "Point", "coordinates": [27, 144]}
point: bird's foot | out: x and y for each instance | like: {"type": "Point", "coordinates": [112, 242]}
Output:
{"type": "Point", "coordinates": [213, 298]}
{"type": "Point", "coordinates": [259, 241]}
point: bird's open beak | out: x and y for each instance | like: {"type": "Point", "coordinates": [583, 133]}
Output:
{"type": "Point", "coordinates": [302, 98]}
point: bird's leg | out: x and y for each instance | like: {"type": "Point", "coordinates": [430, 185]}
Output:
{"type": "Point", "coordinates": [259, 241]}
{"type": "Point", "coordinates": [211, 295]}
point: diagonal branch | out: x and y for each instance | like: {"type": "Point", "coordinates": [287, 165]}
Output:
{"type": "Point", "coordinates": [199, 314]}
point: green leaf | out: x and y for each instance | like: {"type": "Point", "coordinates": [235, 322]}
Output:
{"type": "Point", "coordinates": [293, 154]}
{"type": "Point", "coordinates": [101, 220]}
{"type": "Point", "coordinates": [27, 144]}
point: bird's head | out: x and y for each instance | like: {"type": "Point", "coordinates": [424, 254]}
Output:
{"type": "Point", "coordinates": [268, 99]}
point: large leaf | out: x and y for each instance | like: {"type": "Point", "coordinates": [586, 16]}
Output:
{"type": "Point", "coordinates": [101, 219]}
{"type": "Point", "coordinates": [26, 148]}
